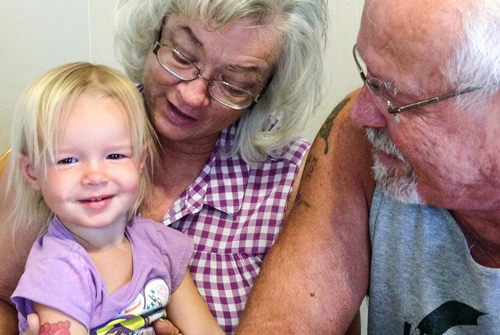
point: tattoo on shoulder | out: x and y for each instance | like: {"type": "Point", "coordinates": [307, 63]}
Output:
{"type": "Point", "coordinates": [310, 166]}
{"type": "Point", "coordinates": [301, 202]}
{"type": "Point", "coordinates": [59, 328]}
{"type": "Point", "coordinates": [324, 132]}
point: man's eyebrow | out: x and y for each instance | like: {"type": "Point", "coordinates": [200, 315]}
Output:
{"type": "Point", "coordinates": [386, 84]}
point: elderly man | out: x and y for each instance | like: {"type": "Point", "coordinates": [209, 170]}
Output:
{"type": "Point", "coordinates": [422, 231]}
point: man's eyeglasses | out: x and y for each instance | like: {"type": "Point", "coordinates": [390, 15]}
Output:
{"type": "Point", "coordinates": [178, 65]}
{"type": "Point", "coordinates": [390, 106]}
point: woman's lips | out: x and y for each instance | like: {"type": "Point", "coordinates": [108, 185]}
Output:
{"type": "Point", "coordinates": [181, 113]}
{"type": "Point", "coordinates": [177, 117]}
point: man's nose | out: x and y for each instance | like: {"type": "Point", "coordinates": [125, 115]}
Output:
{"type": "Point", "coordinates": [366, 112]}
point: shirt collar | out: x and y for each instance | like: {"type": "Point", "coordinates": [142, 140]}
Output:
{"type": "Point", "coordinates": [228, 176]}
{"type": "Point", "coordinates": [221, 183]}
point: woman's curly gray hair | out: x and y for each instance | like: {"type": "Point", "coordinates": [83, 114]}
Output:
{"type": "Point", "coordinates": [294, 92]}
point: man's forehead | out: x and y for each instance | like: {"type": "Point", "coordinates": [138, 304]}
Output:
{"type": "Point", "coordinates": [410, 42]}
{"type": "Point", "coordinates": [417, 21]}
{"type": "Point", "coordinates": [427, 30]}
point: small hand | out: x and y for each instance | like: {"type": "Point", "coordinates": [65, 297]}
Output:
{"type": "Point", "coordinates": [162, 327]}
{"type": "Point", "coordinates": [33, 325]}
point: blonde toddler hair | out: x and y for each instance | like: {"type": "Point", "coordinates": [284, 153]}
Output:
{"type": "Point", "coordinates": [38, 116]}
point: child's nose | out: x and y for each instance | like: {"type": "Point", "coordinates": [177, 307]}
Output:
{"type": "Point", "coordinates": [94, 175]}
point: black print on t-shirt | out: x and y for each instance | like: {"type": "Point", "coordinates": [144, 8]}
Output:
{"type": "Point", "coordinates": [448, 315]}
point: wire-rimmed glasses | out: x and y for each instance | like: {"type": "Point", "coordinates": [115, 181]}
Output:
{"type": "Point", "coordinates": [390, 106]}
{"type": "Point", "coordinates": [178, 65]}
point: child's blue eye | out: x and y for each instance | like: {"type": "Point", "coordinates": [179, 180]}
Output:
{"type": "Point", "coordinates": [115, 156]}
{"type": "Point", "coordinates": [67, 161]}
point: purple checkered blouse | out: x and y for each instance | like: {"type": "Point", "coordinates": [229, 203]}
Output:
{"type": "Point", "coordinates": [234, 214]}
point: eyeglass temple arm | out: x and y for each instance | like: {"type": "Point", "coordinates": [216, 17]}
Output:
{"type": "Point", "coordinates": [158, 36]}
{"type": "Point", "coordinates": [264, 89]}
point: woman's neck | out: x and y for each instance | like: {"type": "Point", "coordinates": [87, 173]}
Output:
{"type": "Point", "coordinates": [182, 162]}
{"type": "Point", "coordinates": [178, 167]}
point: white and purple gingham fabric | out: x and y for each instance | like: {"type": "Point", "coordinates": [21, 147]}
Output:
{"type": "Point", "coordinates": [234, 214]}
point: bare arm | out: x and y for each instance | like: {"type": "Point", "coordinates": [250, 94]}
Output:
{"type": "Point", "coordinates": [13, 260]}
{"type": "Point", "coordinates": [314, 278]}
{"type": "Point", "coordinates": [57, 322]}
{"type": "Point", "coordinates": [8, 318]}
{"type": "Point", "coordinates": [295, 187]}
{"type": "Point", "coordinates": [188, 311]}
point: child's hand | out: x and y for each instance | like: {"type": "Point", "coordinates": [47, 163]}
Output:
{"type": "Point", "coordinates": [33, 325]}
{"type": "Point", "coordinates": [162, 327]}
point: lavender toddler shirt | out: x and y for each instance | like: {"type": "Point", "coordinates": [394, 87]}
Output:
{"type": "Point", "coordinates": [60, 274]}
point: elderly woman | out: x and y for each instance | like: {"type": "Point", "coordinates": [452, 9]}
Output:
{"type": "Point", "coordinates": [228, 84]}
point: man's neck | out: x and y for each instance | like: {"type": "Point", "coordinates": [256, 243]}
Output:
{"type": "Point", "coordinates": [482, 232]}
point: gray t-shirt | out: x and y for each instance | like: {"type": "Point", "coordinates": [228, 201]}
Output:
{"type": "Point", "coordinates": [423, 279]}
{"type": "Point", "coordinates": [59, 273]}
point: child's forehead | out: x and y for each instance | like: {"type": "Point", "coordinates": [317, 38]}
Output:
{"type": "Point", "coordinates": [90, 114]}
{"type": "Point", "coordinates": [88, 100]}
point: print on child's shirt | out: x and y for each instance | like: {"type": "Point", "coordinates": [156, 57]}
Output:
{"type": "Point", "coordinates": [138, 317]}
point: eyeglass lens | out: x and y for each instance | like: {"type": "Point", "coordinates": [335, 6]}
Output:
{"type": "Point", "coordinates": [181, 67]}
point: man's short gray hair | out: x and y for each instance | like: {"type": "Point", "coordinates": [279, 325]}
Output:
{"type": "Point", "coordinates": [476, 61]}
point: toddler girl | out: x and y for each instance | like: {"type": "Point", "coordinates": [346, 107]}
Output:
{"type": "Point", "coordinates": [81, 161]}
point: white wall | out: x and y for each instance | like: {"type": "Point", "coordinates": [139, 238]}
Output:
{"type": "Point", "coordinates": [38, 35]}
{"type": "Point", "coordinates": [342, 76]}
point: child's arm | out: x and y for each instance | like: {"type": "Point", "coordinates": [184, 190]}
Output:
{"type": "Point", "coordinates": [55, 322]}
{"type": "Point", "coordinates": [188, 311]}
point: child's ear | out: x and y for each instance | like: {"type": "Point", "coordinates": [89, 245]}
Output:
{"type": "Point", "coordinates": [29, 173]}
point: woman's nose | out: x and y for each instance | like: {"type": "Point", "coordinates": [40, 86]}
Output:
{"type": "Point", "coordinates": [195, 92]}
{"type": "Point", "coordinates": [365, 112]}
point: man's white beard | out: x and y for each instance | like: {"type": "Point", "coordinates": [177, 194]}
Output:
{"type": "Point", "coordinates": [399, 184]}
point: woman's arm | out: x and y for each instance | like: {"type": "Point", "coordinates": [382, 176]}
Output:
{"type": "Point", "coordinates": [11, 267]}
{"type": "Point", "coordinates": [188, 311]}
{"type": "Point", "coordinates": [55, 322]}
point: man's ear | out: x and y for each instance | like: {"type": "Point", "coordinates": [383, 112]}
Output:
{"type": "Point", "coordinates": [29, 173]}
